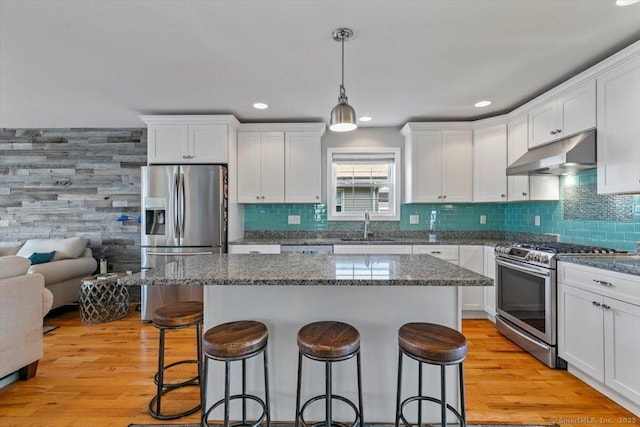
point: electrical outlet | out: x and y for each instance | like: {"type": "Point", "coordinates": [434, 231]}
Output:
{"type": "Point", "coordinates": [294, 219]}
{"type": "Point", "coordinates": [536, 220]}
{"type": "Point", "coordinates": [483, 219]}
{"type": "Point", "coordinates": [414, 219]}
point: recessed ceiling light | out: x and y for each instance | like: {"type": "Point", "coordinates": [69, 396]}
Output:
{"type": "Point", "coordinates": [260, 106]}
{"type": "Point", "coordinates": [625, 2]}
{"type": "Point", "coordinates": [365, 119]}
{"type": "Point", "coordinates": [481, 104]}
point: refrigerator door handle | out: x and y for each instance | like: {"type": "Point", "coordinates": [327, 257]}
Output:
{"type": "Point", "coordinates": [176, 193]}
{"type": "Point", "coordinates": [184, 204]}
{"type": "Point", "coordinates": [180, 253]}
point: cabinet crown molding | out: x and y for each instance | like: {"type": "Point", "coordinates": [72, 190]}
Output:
{"type": "Point", "coordinates": [203, 119]}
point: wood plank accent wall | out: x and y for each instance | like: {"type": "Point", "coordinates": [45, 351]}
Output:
{"type": "Point", "coordinates": [74, 182]}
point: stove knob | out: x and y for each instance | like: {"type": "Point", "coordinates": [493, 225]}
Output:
{"type": "Point", "coordinates": [544, 259]}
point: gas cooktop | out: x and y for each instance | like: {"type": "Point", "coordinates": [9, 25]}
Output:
{"type": "Point", "coordinates": [544, 253]}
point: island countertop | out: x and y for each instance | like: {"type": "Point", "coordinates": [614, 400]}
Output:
{"type": "Point", "coordinates": [309, 270]}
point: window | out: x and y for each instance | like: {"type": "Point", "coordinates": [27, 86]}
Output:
{"type": "Point", "coordinates": [362, 180]}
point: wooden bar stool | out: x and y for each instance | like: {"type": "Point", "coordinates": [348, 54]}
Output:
{"type": "Point", "coordinates": [435, 345]}
{"type": "Point", "coordinates": [174, 316]}
{"type": "Point", "coordinates": [328, 342]}
{"type": "Point", "coordinates": [230, 342]}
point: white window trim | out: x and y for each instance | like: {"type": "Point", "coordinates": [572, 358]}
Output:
{"type": "Point", "coordinates": [375, 216]}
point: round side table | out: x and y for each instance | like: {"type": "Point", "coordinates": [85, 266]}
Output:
{"type": "Point", "coordinates": [103, 300]}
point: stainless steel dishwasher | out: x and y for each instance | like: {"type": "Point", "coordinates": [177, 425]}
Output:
{"type": "Point", "coordinates": [307, 249]}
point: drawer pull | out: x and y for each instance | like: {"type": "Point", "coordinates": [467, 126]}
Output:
{"type": "Point", "coordinates": [596, 304]}
{"type": "Point", "coordinates": [606, 307]}
{"type": "Point", "coordinates": [602, 282]}
{"type": "Point", "coordinates": [436, 252]}
{"type": "Point", "coordinates": [254, 252]}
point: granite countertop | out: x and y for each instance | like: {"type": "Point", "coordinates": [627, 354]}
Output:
{"type": "Point", "coordinates": [622, 263]}
{"type": "Point", "coordinates": [371, 241]}
{"type": "Point", "coordinates": [307, 270]}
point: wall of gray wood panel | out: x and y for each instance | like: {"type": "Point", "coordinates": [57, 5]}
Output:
{"type": "Point", "coordinates": [74, 182]}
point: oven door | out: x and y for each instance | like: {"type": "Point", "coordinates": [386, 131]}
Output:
{"type": "Point", "coordinates": [527, 298]}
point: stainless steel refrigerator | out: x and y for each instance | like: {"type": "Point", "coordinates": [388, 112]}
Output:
{"type": "Point", "coordinates": [184, 213]}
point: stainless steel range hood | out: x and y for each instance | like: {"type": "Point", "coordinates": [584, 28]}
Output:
{"type": "Point", "coordinates": [562, 157]}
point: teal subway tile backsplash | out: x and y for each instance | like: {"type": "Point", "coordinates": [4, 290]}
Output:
{"type": "Point", "coordinates": [614, 223]}
{"type": "Point", "coordinates": [313, 217]}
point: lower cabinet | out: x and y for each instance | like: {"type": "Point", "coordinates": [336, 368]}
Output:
{"type": "Point", "coordinates": [472, 258]}
{"type": "Point", "coordinates": [490, 291]}
{"type": "Point", "coordinates": [598, 333]}
{"type": "Point", "coordinates": [254, 249]}
{"type": "Point", "coordinates": [372, 249]}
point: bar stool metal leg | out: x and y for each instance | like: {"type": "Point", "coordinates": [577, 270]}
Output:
{"type": "Point", "coordinates": [463, 411]}
{"type": "Point", "coordinates": [266, 387]}
{"type": "Point", "coordinates": [399, 389]}
{"type": "Point", "coordinates": [443, 398]}
{"type": "Point", "coordinates": [328, 400]}
{"type": "Point", "coordinates": [298, 390]}
{"type": "Point", "coordinates": [360, 390]}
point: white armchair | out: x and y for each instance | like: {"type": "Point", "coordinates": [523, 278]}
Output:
{"type": "Point", "coordinates": [23, 303]}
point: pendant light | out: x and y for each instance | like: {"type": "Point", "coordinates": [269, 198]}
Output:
{"type": "Point", "coordinates": [343, 117]}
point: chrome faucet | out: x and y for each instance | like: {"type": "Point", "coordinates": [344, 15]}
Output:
{"type": "Point", "coordinates": [366, 224]}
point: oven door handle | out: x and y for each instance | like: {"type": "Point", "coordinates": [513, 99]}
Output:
{"type": "Point", "coordinates": [539, 272]}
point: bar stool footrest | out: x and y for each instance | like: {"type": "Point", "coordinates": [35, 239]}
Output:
{"type": "Point", "coordinates": [240, 423]}
{"type": "Point", "coordinates": [191, 381]}
{"type": "Point", "coordinates": [408, 400]}
{"type": "Point", "coordinates": [333, 423]}
{"type": "Point", "coordinates": [158, 416]}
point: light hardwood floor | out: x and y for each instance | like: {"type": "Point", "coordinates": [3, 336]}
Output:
{"type": "Point", "coordinates": [101, 375]}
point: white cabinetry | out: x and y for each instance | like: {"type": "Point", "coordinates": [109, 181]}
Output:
{"type": "Point", "coordinates": [618, 133]}
{"type": "Point", "coordinates": [254, 249]}
{"type": "Point", "coordinates": [260, 167]}
{"type": "Point", "coordinates": [526, 187]}
{"type": "Point", "coordinates": [489, 164]}
{"type": "Point", "coordinates": [302, 167]}
{"type": "Point", "coordinates": [188, 139]}
{"type": "Point", "coordinates": [372, 249]}
{"type": "Point", "coordinates": [438, 164]}
{"type": "Point", "coordinates": [279, 162]}
{"type": "Point", "coordinates": [490, 271]}
{"type": "Point", "coordinates": [564, 116]}
{"type": "Point", "coordinates": [446, 252]}
{"type": "Point", "coordinates": [472, 258]}
{"type": "Point", "coordinates": [599, 320]}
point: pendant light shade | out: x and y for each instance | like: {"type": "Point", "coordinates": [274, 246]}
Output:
{"type": "Point", "coordinates": [343, 116]}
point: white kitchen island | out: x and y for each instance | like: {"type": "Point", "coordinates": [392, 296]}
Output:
{"type": "Point", "coordinates": [374, 293]}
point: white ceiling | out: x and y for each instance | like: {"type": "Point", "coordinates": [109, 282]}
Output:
{"type": "Point", "coordinates": [101, 63]}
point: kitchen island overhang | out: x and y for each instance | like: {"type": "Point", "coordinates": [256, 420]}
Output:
{"type": "Point", "coordinates": [375, 293]}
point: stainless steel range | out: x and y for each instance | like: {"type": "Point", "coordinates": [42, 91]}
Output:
{"type": "Point", "coordinates": [526, 293]}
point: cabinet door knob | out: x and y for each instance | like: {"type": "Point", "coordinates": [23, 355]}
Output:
{"type": "Point", "coordinates": [184, 156]}
{"type": "Point", "coordinates": [553, 132]}
{"type": "Point", "coordinates": [262, 197]}
{"type": "Point", "coordinates": [606, 307]}
{"type": "Point", "coordinates": [503, 195]}
{"type": "Point", "coordinates": [317, 197]}
{"type": "Point", "coordinates": [558, 130]}
{"type": "Point", "coordinates": [596, 304]}
{"type": "Point", "coordinates": [439, 197]}
{"type": "Point", "coordinates": [444, 197]}
{"type": "Point", "coordinates": [257, 197]}
{"type": "Point", "coordinates": [524, 194]}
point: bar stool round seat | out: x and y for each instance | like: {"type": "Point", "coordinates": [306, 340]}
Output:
{"type": "Point", "coordinates": [432, 342]}
{"type": "Point", "coordinates": [230, 342]}
{"type": "Point", "coordinates": [435, 345]}
{"type": "Point", "coordinates": [328, 342]}
{"type": "Point", "coordinates": [178, 315]}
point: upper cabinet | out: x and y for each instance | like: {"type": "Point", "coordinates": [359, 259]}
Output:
{"type": "Point", "coordinates": [563, 116]}
{"type": "Point", "coordinates": [260, 167]}
{"type": "Point", "coordinates": [188, 139]}
{"type": "Point", "coordinates": [303, 174]}
{"type": "Point", "coordinates": [618, 133]}
{"type": "Point", "coordinates": [279, 163]}
{"type": "Point", "coordinates": [522, 188]}
{"type": "Point", "coordinates": [438, 164]}
{"type": "Point", "coordinates": [489, 164]}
